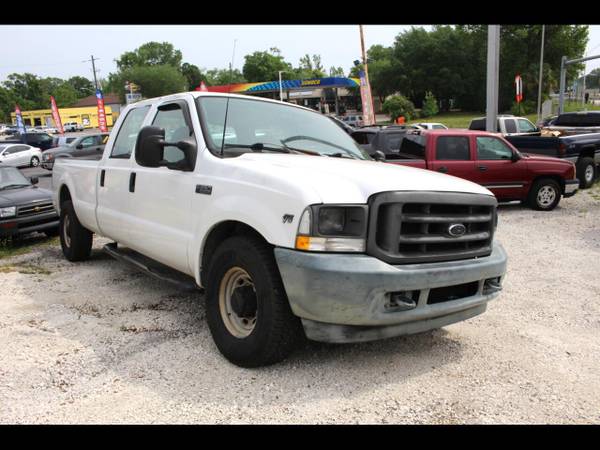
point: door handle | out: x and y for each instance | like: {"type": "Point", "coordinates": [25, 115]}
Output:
{"type": "Point", "coordinates": [102, 177]}
{"type": "Point", "coordinates": [443, 169]}
{"type": "Point", "coordinates": [132, 182]}
{"type": "Point", "coordinates": [482, 168]}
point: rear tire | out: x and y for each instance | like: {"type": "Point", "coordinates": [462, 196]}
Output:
{"type": "Point", "coordinates": [75, 239]}
{"type": "Point", "coordinates": [247, 309]}
{"type": "Point", "coordinates": [544, 194]}
{"type": "Point", "coordinates": [586, 172]}
{"type": "Point", "coordinates": [35, 161]}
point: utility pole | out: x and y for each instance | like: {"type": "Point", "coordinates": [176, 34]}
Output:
{"type": "Point", "coordinates": [493, 67]}
{"type": "Point", "coordinates": [364, 57]}
{"type": "Point", "coordinates": [93, 69]}
{"type": "Point", "coordinates": [539, 106]}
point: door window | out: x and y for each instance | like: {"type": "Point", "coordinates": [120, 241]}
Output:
{"type": "Point", "coordinates": [88, 141]}
{"type": "Point", "coordinates": [489, 148]}
{"type": "Point", "coordinates": [510, 125]}
{"type": "Point", "coordinates": [452, 148]}
{"type": "Point", "coordinates": [525, 126]}
{"type": "Point", "coordinates": [128, 132]}
{"type": "Point", "coordinates": [172, 118]}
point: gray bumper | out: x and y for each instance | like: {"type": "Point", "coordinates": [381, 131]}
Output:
{"type": "Point", "coordinates": [346, 298]}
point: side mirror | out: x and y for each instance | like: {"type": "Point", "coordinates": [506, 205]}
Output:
{"type": "Point", "coordinates": [34, 180]}
{"type": "Point", "coordinates": [79, 147]}
{"type": "Point", "coordinates": [150, 145]}
{"type": "Point", "coordinates": [378, 155]}
{"type": "Point", "coordinates": [515, 157]}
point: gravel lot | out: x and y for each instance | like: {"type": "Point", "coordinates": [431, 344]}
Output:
{"type": "Point", "coordinates": [98, 342]}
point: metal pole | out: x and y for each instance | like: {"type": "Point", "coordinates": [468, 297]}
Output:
{"type": "Point", "coordinates": [561, 92]}
{"type": "Point", "coordinates": [539, 106]}
{"type": "Point", "coordinates": [493, 66]}
{"type": "Point", "coordinates": [583, 90]}
{"type": "Point", "coordinates": [280, 87]}
{"type": "Point", "coordinates": [94, 70]}
{"type": "Point", "coordinates": [371, 120]}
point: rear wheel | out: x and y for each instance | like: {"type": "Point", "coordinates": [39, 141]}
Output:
{"type": "Point", "coordinates": [35, 161]}
{"type": "Point", "coordinates": [544, 194]}
{"type": "Point", "coordinates": [75, 239]}
{"type": "Point", "coordinates": [586, 172]}
{"type": "Point", "coordinates": [247, 310]}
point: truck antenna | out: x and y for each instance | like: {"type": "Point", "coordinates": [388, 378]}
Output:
{"type": "Point", "coordinates": [228, 91]}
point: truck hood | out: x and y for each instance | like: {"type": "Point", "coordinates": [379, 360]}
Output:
{"type": "Point", "coordinates": [20, 196]}
{"type": "Point", "coordinates": [544, 159]}
{"type": "Point", "coordinates": [342, 180]}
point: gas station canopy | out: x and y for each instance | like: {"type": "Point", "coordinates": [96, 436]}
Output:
{"type": "Point", "coordinates": [287, 85]}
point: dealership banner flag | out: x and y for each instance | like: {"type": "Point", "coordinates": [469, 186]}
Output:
{"type": "Point", "coordinates": [519, 88]}
{"type": "Point", "coordinates": [56, 116]}
{"type": "Point", "coordinates": [101, 113]}
{"type": "Point", "coordinates": [367, 101]}
{"type": "Point", "coordinates": [20, 124]}
{"type": "Point", "coordinates": [202, 87]}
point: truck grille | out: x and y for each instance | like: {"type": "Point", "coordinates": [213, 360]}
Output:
{"type": "Point", "coordinates": [34, 208]}
{"type": "Point", "coordinates": [415, 227]}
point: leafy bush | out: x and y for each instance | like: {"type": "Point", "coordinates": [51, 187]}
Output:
{"type": "Point", "coordinates": [527, 107]}
{"type": "Point", "coordinates": [430, 105]}
{"type": "Point", "coordinates": [398, 105]}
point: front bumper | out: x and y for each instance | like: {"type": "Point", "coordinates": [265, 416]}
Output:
{"type": "Point", "coordinates": [47, 164]}
{"type": "Point", "coordinates": [346, 298]}
{"type": "Point", "coordinates": [571, 187]}
{"type": "Point", "coordinates": [28, 224]}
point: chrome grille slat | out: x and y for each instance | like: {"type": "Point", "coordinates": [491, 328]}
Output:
{"type": "Point", "coordinates": [426, 239]}
{"type": "Point", "coordinates": [419, 218]}
{"type": "Point", "coordinates": [34, 208]}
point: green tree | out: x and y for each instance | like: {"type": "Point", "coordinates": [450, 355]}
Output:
{"type": "Point", "coordinates": [82, 86]}
{"type": "Point", "coordinates": [154, 81]}
{"type": "Point", "coordinates": [7, 104]}
{"type": "Point", "coordinates": [398, 105]}
{"type": "Point", "coordinates": [220, 77]}
{"type": "Point", "coordinates": [430, 105]}
{"type": "Point", "coordinates": [309, 67]}
{"type": "Point", "coordinates": [193, 75]}
{"type": "Point", "coordinates": [265, 66]}
{"type": "Point", "coordinates": [336, 72]}
{"type": "Point", "coordinates": [151, 54]}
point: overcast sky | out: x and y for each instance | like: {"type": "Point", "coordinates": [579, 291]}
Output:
{"type": "Point", "coordinates": [59, 50]}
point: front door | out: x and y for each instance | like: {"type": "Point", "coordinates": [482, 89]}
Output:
{"type": "Point", "coordinates": [162, 199]}
{"type": "Point", "coordinates": [453, 156]}
{"type": "Point", "coordinates": [496, 169]}
{"type": "Point", "coordinates": [114, 180]}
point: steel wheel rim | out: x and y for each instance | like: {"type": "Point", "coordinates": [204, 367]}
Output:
{"type": "Point", "coordinates": [546, 196]}
{"type": "Point", "coordinates": [238, 326]}
{"type": "Point", "coordinates": [66, 233]}
{"type": "Point", "coordinates": [589, 173]}
{"type": "Point", "coordinates": [34, 161]}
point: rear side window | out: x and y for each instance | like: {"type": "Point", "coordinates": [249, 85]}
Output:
{"type": "Point", "coordinates": [510, 125]}
{"type": "Point", "coordinates": [452, 148]}
{"type": "Point", "coordinates": [363, 138]}
{"type": "Point", "coordinates": [477, 124]}
{"type": "Point", "coordinates": [125, 141]}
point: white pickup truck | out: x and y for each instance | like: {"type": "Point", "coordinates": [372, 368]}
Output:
{"type": "Point", "coordinates": [291, 229]}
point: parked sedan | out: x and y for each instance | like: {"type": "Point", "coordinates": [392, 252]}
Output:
{"type": "Point", "coordinates": [89, 145]}
{"type": "Point", "coordinates": [430, 126]}
{"type": "Point", "coordinates": [24, 207]}
{"type": "Point", "coordinates": [19, 155]}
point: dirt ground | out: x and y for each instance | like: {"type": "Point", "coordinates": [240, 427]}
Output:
{"type": "Point", "coordinates": [98, 342]}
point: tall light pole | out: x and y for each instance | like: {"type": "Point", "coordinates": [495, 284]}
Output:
{"type": "Point", "coordinates": [539, 105]}
{"type": "Point", "coordinates": [93, 69]}
{"type": "Point", "coordinates": [493, 67]}
{"type": "Point", "coordinates": [280, 86]}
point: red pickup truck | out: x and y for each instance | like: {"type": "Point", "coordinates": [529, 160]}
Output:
{"type": "Point", "coordinates": [489, 160]}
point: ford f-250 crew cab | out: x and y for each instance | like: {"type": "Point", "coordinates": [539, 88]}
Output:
{"type": "Point", "coordinates": [291, 229]}
{"type": "Point", "coordinates": [489, 160]}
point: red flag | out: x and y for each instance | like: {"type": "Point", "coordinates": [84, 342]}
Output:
{"type": "Point", "coordinates": [56, 116]}
{"type": "Point", "coordinates": [202, 87]}
{"type": "Point", "coordinates": [101, 112]}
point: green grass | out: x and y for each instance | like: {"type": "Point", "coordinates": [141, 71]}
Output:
{"type": "Point", "coordinates": [10, 248]}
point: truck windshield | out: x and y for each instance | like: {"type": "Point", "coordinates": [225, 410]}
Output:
{"type": "Point", "coordinates": [248, 125]}
{"type": "Point", "coordinates": [10, 177]}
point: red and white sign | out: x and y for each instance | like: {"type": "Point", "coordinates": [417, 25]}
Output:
{"type": "Point", "coordinates": [368, 111]}
{"type": "Point", "coordinates": [519, 88]}
{"type": "Point", "coordinates": [202, 87]}
{"type": "Point", "coordinates": [101, 112]}
{"type": "Point", "coordinates": [56, 116]}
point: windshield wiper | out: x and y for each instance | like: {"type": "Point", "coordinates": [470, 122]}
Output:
{"type": "Point", "coordinates": [259, 147]}
{"type": "Point", "coordinates": [340, 155]}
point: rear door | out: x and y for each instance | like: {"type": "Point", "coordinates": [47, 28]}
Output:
{"type": "Point", "coordinates": [452, 155]}
{"type": "Point", "coordinates": [496, 170]}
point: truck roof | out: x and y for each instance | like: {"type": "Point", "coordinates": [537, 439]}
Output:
{"type": "Point", "coordinates": [455, 131]}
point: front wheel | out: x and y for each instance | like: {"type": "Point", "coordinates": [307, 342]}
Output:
{"type": "Point", "coordinates": [544, 194]}
{"type": "Point", "coordinates": [247, 310]}
{"type": "Point", "coordinates": [75, 239]}
{"type": "Point", "coordinates": [586, 172]}
{"type": "Point", "coordinates": [35, 161]}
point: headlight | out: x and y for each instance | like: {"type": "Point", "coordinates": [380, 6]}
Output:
{"type": "Point", "coordinates": [333, 228]}
{"type": "Point", "coordinates": [8, 212]}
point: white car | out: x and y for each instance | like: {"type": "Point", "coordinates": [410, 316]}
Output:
{"type": "Point", "coordinates": [19, 155]}
{"type": "Point", "coordinates": [431, 126]}
{"type": "Point", "coordinates": [72, 126]}
{"type": "Point", "coordinates": [291, 228]}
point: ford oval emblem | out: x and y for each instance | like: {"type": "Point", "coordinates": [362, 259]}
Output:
{"type": "Point", "coordinates": [457, 229]}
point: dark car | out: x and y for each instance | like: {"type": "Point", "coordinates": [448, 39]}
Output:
{"type": "Point", "coordinates": [581, 122]}
{"type": "Point", "coordinates": [24, 207]}
{"type": "Point", "coordinates": [90, 145]}
{"type": "Point", "coordinates": [383, 139]}
{"type": "Point", "coordinates": [343, 125]}
{"type": "Point", "coordinates": [43, 141]}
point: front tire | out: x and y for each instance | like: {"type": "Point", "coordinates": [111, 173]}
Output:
{"type": "Point", "coordinates": [35, 161]}
{"type": "Point", "coordinates": [544, 194]}
{"type": "Point", "coordinates": [75, 239]}
{"type": "Point", "coordinates": [586, 172]}
{"type": "Point", "coordinates": [247, 309]}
